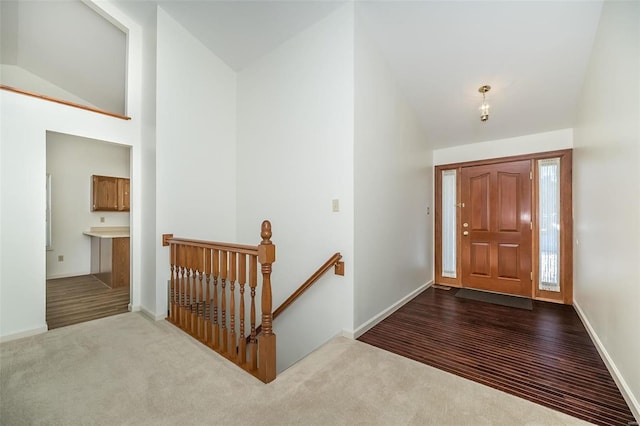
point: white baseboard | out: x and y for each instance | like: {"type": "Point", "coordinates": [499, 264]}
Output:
{"type": "Point", "coordinates": [146, 312]}
{"type": "Point", "coordinates": [67, 275]}
{"type": "Point", "coordinates": [349, 334]}
{"type": "Point", "coordinates": [631, 400]}
{"type": "Point", "coordinates": [151, 315]}
{"type": "Point", "coordinates": [23, 334]}
{"type": "Point", "coordinates": [354, 334]}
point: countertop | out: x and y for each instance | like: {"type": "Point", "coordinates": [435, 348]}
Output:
{"type": "Point", "coordinates": [108, 232]}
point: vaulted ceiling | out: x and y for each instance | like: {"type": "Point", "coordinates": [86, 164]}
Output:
{"type": "Point", "coordinates": [534, 54]}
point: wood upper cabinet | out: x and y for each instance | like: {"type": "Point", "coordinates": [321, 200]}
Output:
{"type": "Point", "coordinates": [105, 193]}
{"type": "Point", "coordinates": [110, 193]}
{"type": "Point", "coordinates": [123, 194]}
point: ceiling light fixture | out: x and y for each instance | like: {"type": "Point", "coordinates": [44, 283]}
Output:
{"type": "Point", "coordinates": [484, 108]}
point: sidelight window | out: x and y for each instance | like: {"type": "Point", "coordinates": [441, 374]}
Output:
{"type": "Point", "coordinates": [449, 191]}
{"type": "Point", "coordinates": [549, 223]}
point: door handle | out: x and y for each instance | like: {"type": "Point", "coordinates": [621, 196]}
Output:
{"type": "Point", "coordinates": [465, 233]}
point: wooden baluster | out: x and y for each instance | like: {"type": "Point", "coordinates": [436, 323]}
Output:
{"type": "Point", "coordinates": [232, 305]}
{"type": "Point", "coordinates": [177, 295]}
{"type": "Point", "coordinates": [200, 293]}
{"type": "Point", "coordinates": [187, 294]}
{"type": "Point", "coordinates": [194, 290]}
{"type": "Point", "coordinates": [223, 304]}
{"type": "Point", "coordinates": [253, 342]}
{"type": "Point", "coordinates": [216, 327]}
{"type": "Point", "coordinates": [192, 295]}
{"type": "Point", "coordinates": [242, 278]}
{"type": "Point", "coordinates": [182, 289]}
{"type": "Point", "coordinates": [172, 291]}
{"type": "Point", "coordinates": [266, 340]}
{"type": "Point", "coordinates": [207, 306]}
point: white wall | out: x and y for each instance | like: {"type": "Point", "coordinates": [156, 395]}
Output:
{"type": "Point", "coordinates": [606, 187]}
{"type": "Point", "coordinates": [25, 121]}
{"type": "Point", "coordinates": [195, 145]}
{"type": "Point", "coordinates": [393, 188]}
{"type": "Point", "coordinates": [295, 154]}
{"type": "Point", "coordinates": [528, 144]}
{"type": "Point", "coordinates": [71, 161]}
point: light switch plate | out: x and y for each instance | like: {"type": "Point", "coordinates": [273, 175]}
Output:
{"type": "Point", "coordinates": [335, 205]}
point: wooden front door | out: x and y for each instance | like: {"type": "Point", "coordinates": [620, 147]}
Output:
{"type": "Point", "coordinates": [496, 227]}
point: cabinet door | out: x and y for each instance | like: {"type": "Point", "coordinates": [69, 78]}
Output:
{"type": "Point", "coordinates": [120, 263]}
{"type": "Point", "coordinates": [123, 194]}
{"type": "Point", "coordinates": [105, 190]}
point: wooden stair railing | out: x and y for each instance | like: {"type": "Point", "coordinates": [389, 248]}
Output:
{"type": "Point", "coordinates": [334, 261]}
{"type": "Point", "coordinates": [199, 304]}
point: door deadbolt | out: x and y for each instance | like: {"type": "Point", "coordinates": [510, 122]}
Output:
{"type": "Point", "coordinates": [465, 225]}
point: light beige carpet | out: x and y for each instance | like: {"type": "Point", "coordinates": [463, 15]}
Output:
{"type": "Point", "coordinates": [130, 370]}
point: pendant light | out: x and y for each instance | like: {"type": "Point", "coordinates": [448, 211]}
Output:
{"type": "Point", "coordinates": [484, 108]}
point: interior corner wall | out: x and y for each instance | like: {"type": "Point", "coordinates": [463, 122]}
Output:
{"type": "Point", "coordinates": [393, 190]}
{"type": "Point", "coordinates": [148, 179]}
{"type": "Point", "coordinates": [25, 121]}
{"type": "Point", "coordinates": [195, 145]}
{"type": "Point", "coordinates": [519, 145]}
{"type": "Point", "coordinates": [72, 161]}
{"type": "Point", "coordinates": [606, 184]}
{"type": "Point", "coordinates": [295, 155]}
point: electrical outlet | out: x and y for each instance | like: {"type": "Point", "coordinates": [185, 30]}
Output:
{"type": "Point", "coordinates": [61, 258]}
{"type": "Point", "coordinates": [101, 219]}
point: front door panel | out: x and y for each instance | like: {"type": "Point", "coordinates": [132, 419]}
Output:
{"type": "Point", "coordinates": [496, 227]}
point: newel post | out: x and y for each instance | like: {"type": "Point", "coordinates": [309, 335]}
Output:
{"type": "Point", "coordinates": [266, 339]}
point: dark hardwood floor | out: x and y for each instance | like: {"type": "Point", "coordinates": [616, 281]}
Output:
{"type": "Point", "coordinates": [83, 298]}
{"type": "Point", "coordinates": [544, 355]}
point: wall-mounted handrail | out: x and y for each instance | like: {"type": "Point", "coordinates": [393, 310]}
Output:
{"type": "Point", "coordinates": [339, 270]}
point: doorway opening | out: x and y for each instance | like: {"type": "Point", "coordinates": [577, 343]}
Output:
{"type": "Point", "coordinates": [88, 249]}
